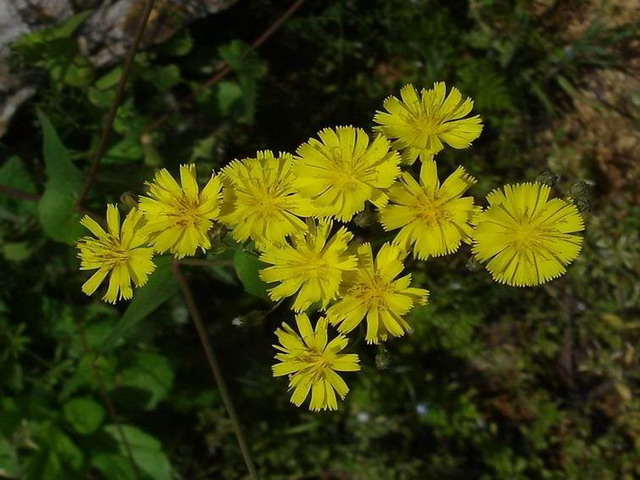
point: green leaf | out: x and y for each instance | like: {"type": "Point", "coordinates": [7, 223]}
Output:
{"type": "Point", "coordinates": [56, 208]}
{"type": "Point", "coordinates": [70, 25]}
{"type": "Point", "coordinates": [160, 287]}
{"type": "Point", "coordinates": [250, 68]}
{"type": "Point", "coordinates": [150, 374]}
{"type": "Point", "coordinates": [163, 77]}
{"type": "Point", "coordinates": [83, 414]}
{"type": "Point", "coordinates": [78, 72]}
{"type": "Point", "coordinates": [104, 91]}
{"type": "Point", "coordinates": [145, 449]}
{"type": "Point", "coordinates": [16, 251]}
{"type": "Point", "coordinates": [114, 467]}
{"type": "Point", "coordinates": [247, 267]}
{"type": "Point", "coordinates": [14, 174]}
{"type": "Point", "coordinates": [56, 454]}
{"type": "Point", "coordinates": [180, 44]}
{"type": "Point", "coordinates": [229, 95]}
{"type": "Point", "coordinates": [127, 150]}
{"type": "Point", "coordinates": [9, 467]}
{"type": "Point", "coordinates": [37, 45]}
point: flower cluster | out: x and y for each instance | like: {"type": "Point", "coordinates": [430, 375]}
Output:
{"type": "Point", "coordinates": [294, 207]}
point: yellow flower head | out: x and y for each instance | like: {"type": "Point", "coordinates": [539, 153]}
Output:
{"type": "Point", "coordinates": [526, 238]}
{"type": "Point", "coordinates": [260, 201]}
{"type": "Point", "coordinates": [311, 363]}
{"type": "Point", "coordinates": [179, 215]}
{"type": "Point", "coordinates": [374, 292]}
{"type": "Point", "coordinates": [310, 264]}
{"type": "Point", "coordinates": [433, 218]}
{"type": "Point", "coordinates": [341, 171]}
{"type": "Point", "coordinates": [419, 124]}
{"type": "Point", "coordinates": [119, 251]}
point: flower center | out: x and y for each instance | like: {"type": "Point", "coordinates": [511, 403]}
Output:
{"type": "Point", "coordinates": [374, 293]}
{"type": "Point", "coordinates": [526, 236]}
{"type": "Point", "coordinates": [423, 124]}
{"type": "Point", "coordinates": [186, 212]}
{"type": "Point", "coordinates": [431, 211]}
{"type": "Point", "coordinates": [347, 176]}
{"type": "Point", "coordinates": [268, 203]}
{"type": "Point", "coordinates": [112, 253]}
{"type": "Point", "coordinates": [316, 363]}
{"type": "Point", "coordinates": [315, 266]}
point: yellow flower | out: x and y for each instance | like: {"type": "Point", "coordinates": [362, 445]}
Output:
{"type": "Point", "coordinates": [341, 171]}
{"type": "Point", "coordinates": [311, 363]}
{"type": "Point", "coordinates": [375, 293]}
{"type": "Point", "coordinates": [310, 264]}
{"type": "Point", "coordinates": [260, 201]}
{"type": "Point", "coordinates": [433, 218]}
{"type": "Point", "coordinates": [179, 216]}
{"type": "Point", "coordinates": [119, 252]}
{"type": "Point", "coordinates": [419, 125]}
{"type": "Point", "coordinates": [526, 238]}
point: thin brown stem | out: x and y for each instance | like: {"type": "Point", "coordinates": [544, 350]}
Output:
{"type": "Point", "coordinates": [108, 126]}
{"type": "Point", "coordinates": [97, 374]}
{"type": "Point", "coordinates": [19, 194]}
{"type": "Point", "coordinates": [214, 366]}
{"type": "Point", "coordinates": [225, 69]}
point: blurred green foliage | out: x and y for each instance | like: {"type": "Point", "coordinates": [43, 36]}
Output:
{"type": "Point", "coordinates": [494, 383]}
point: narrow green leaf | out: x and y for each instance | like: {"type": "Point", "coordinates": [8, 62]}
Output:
{"type": "Point", "coordinates": [247, 267]}
{"type": "Point", "coordinates": [70, 25]}
{"type": "Point", "coordinates": [160, 287]}
{"type": "Point", "coordinates": [56, 208]}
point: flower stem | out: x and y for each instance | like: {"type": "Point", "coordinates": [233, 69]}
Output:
{"type": "Point", "coordinates": [214, 366]}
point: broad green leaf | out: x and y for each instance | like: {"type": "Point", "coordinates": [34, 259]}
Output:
{"type": "Point", "coordinates": [180, 44]}
{"type": "Point", "coordinates": [249, 68]}
{"type": "Point", "coordinates": [56, 455]}
{"type": "Point", "coordinates": [127, 150]}
{"type": "Point", "coordinates": [56, 208]}
{"type": "Point", "coordinates": [247, 267]}
{"type": "Point", "coordinates": [229, 95]}
{"type": "Point", "coordinates": [45, 466]}
{"type": "Point", "coordinates": [57, 215]}
{"type": "Point", "coordinates": [83, 414]}
{"type": "Point", "coordinates": [151, 374]}
{"type": "Point", "coordinates": [114, 467]}
{"type": "Point", "coordinates": [14, 174]}
{"type": "Point", "coordinates": [16, 251]}
{"type": "Point", "coordinates": [160, 287]}
{"type": "Point", "coordinates": [163, 77]}
{"type": "Point", "coordinates": [9, 467]}
{"type": "Point", "coordinates": [104, 91]}
{"type": "Point", "coordinates": [145, 449]}
{"type": "Point", "coordinates": [78, 72]}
